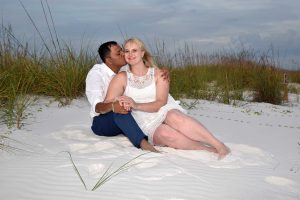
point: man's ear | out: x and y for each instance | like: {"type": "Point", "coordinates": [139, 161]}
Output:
{"type": "Point", "coordinates": [108, 60]}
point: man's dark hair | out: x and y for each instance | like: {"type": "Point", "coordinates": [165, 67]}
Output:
{"type": "Point", "coordinates": [104, 49]}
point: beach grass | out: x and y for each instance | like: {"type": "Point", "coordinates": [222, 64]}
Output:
{"type": "Point", "coordinates": [226, 75]}
{"type": "Point", "coordinates": [60, 72]}
{"type": "Point", "coordinates": [109, 172]}
{"type": "Point", "coordinates": [26, 74]}
{"type": "Point", "coordinates": [6, 144]}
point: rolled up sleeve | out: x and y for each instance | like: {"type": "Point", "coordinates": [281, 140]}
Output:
{"type": "Point", "coordinates": [95, 91]}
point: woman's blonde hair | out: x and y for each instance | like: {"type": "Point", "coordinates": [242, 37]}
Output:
{"type": "Point", "coordinates": [148, 59]}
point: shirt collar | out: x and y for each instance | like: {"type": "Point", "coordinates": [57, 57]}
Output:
{"type": "Point", "coordinates": [108, 70]}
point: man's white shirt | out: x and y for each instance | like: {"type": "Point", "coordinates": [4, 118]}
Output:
{"type": "Point", "coordinates": [97, 82]}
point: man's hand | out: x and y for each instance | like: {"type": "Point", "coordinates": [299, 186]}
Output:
{"type": "Point", "coordinates": [164, 73]}
{"type": "Point", "coordinates": [117, 108]}
{"type": "Point", "coordinates": [127, 102]}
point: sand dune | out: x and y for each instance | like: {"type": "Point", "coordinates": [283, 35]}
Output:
{"type": "Point", "coordinates": [264, 162]}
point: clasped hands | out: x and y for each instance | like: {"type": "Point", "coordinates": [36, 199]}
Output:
{"type": "Point", "coordinates": [123, 104]}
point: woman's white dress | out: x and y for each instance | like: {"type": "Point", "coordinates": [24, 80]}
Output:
{"type": "Point", "coordinates": [142, 89]}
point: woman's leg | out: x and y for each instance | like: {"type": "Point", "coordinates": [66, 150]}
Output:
{"type": "Point", "coordinates": [164, 135]}
{"type": "Point", "coordinates": [194, 130]}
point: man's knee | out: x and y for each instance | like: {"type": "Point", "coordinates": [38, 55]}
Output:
{"type": "Point", "coordinates": [122, 117]}
{"type": "Point", "coordinates": [105, 126]}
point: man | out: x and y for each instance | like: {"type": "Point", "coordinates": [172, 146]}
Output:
{"type": "Point", "coordinates": [111, 119]}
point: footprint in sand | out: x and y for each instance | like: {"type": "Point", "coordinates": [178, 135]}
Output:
{"type": "Point", "coordinates": [290, 185]}
{"type": "Point", "coordinates": [74, 134]}
{"type": "Point", "coordinates": [96, 170]}
{"type": "Point", "coordinates": [241, 155]}
{"type": "Point", "coordinates": [77, 146]}
{"type": "Point", "coordinates": [90, 148]}
{"type": "Point", "coordinates": [159, 172]}
{"type": "Point", "coordinates": [147, 163]}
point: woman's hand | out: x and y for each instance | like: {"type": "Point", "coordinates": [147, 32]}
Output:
{"type": "Point", "coordinates": [117, 108]}
{"type": "Point", "coordinates": [127, 102]}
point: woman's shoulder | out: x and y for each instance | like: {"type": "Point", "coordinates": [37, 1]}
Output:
{"type": "Point", "coordinates": [121, 73]}
{"type": "Point", "coordinates": [158, 73]}
{"type": "Point", "coordinates": [120, 76]}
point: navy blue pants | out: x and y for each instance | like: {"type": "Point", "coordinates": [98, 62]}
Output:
{"type": "Point", "coordinates": [112, 124]}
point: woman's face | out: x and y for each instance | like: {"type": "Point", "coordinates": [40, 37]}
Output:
{"type": "Point", "coordinates": [133, 53]}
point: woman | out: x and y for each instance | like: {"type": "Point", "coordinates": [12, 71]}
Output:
{"type": "Point", "coordinates": [146, 93]}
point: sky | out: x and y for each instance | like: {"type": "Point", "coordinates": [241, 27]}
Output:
{"type": "Point", "coordinates": [262, 26]}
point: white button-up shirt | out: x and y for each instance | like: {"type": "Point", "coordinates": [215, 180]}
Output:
{"type": "Point", "coordinates": [97, 82]}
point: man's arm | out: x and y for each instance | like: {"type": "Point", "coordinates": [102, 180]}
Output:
{"type": "Point", "coordinates": [111, 106]}
{"type": "Point", "coordinates": [95, 91]}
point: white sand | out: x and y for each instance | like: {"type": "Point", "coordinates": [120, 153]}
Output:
{"type": "Point", "coordinates": [264, 163]}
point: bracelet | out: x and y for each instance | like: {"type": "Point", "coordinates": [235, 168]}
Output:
{"type": "Point", "coordinates": [112, 107]}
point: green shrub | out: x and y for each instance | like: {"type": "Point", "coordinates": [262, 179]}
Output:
{"type": "Point", "coordinates": [267, 84]}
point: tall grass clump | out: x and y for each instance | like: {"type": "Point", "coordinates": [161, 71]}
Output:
{"type": "Point", "coordinates": [16, 81]}
{"type": "Point", "coordinates": [55, 70]}
{"type": "Point", "coordinates": [63, 69]}
{"type": "Point", "coordinates": [26, 74]}
{"type": "Point", "coordinates": [293, 76]}
{"type": "Point", "coordinates": [222, 76]}
{"type": "Point", "coordinates": [64, 78]}
{"type": "Point", "coordinates": [268, 85]}
{"type": "Point", "coordinates": [18, 92]}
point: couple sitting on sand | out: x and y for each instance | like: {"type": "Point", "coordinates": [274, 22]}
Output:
{"type": "Point", "coordinates": [136, 102]}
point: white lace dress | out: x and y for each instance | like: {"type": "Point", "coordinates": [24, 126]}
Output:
{"type": "Point", "coordinates": [142, 89]}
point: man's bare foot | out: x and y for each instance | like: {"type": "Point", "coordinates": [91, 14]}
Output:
{"type": "Point", "coordinates": [146, 146]}
{"type": "Point", "coordinates": [223, 152]}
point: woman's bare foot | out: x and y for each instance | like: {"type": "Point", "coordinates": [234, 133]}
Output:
{"type": "Point", "coordinates": [209, 148]}
{"type": "Point", "coordinates": [146, 146]}
{"type": "Point", "coordinates": [223, 151]}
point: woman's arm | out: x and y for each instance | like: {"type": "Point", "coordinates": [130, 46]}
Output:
{"type": "Point", "coordinates": [116, 87]}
